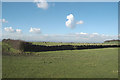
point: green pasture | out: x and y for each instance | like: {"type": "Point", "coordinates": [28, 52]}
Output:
{"type": "Point", "coordinates": [88, 63]}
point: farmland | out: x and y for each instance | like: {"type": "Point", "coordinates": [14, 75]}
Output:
{"type": "Point", "coordinates": [65, 43]}
{"type": "Point", "coordinates": [21, 47]}
{"type": "Point", "coordinates": [61, 40]}
{"type": "Point", "coordinates": [88, 63]}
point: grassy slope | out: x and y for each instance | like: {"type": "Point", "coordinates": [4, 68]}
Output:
{"type": "Point", "coordinates": [93, 63]}
{"type": "Point", "coordinates": [6, 48]}
{"type": "Point", "coordinates": [112, 42]}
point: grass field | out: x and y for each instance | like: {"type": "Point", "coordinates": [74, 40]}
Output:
{"type": "Point", "coordinates": [63, 43]}
{"type": "Point", "coordinates": [89, 63]}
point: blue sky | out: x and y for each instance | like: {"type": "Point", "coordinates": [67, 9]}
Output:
{"type": "Point", "coordinates": [97, 17]}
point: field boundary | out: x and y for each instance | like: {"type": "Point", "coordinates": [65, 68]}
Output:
{"type": "Point", "coordinates": [40, 48]}
{"type": "Point", "coordinates": [17, 46]}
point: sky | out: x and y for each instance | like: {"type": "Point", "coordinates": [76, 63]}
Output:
{"type": "Point", "coordinates": [63, 0]}
{"type": "Point", "coordinates": [60, 21]}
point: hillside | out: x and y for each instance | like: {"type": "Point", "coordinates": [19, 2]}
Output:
{"type": "Point", "coordinates": [112, 41]}
{"type": "Point", "coordinates": [11, 46]}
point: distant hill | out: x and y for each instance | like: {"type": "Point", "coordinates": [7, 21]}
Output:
{"type": "Point", "coordinates": [112, 41]}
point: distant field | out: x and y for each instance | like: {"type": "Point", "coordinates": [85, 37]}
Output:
{"type": "Point", "coordinates": [89, 63]}
{"type": "Point", "coordinates": [61, 43]}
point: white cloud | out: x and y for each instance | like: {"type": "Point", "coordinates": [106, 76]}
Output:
{"type": "Point", "coordinates": [80, 22]}
{"type": "Point", "coordinates": [9, 29]}
{"type": "Point", "coordinates": [18, 30]}
{"type": "Point", "coordinates": [118, 36]}
{"type": "Point", "coordinates": [35, 30]}
{"type": "Point", "coordinates": [3, 21]}
{"type": "Point", "coordinates": [71, 22]}
{"type": "Point", "coordinates": [41, 4]}
{"type": "Point", "coordinates": [83, 33]}
{"type": "Point", "coordinates": [95, 33]}
{"type": "Point", "coordinates": [83, 38]}
{"type": "Point", "coordinates": [75, 37]}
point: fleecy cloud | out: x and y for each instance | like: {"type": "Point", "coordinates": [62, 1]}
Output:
{"type": "Point", "coordinates": [71, 22]}
{"type": "Point", "coordinates": [18, 30]}
{"type": "Point", "coordinates": [41, 4]}
{"type": "Point", "coordinates": [83, 38]}
{"type": "Point", "coordinates": [80, 22]}
{"type": "Point", "coordinates": [9, 29]}
{"type": "Point", "coordinates": [35, 30]}
{"type": "Point", "coordinates": [3, 20]}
